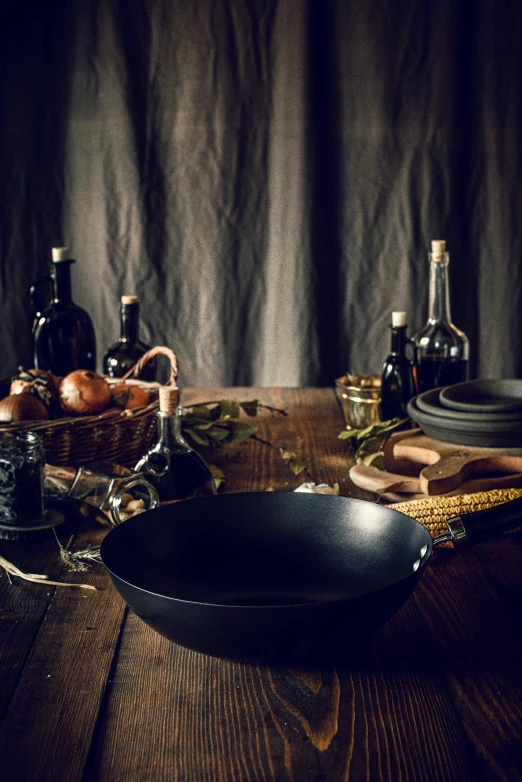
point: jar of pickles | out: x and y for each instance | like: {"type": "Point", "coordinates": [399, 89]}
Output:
{"type": "Point", "coordinates": [22, 500]}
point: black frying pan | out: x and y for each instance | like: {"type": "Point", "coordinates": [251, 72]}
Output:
{"type": "Point", "coordinates": [271, 577]}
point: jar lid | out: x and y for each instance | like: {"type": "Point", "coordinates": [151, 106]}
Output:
{"type": "Point", "coordinates": [168, 399]}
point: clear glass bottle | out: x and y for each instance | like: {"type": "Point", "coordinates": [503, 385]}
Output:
{"type": "Point", "coordinates": [124, 354]}
{"type": "Point", "coordinates": [399, 376]}
{"type": "Point", "coordinates": [442, 349]}
{"type": "Point", "coordinates": [171, 465]}
{"type": "Point", "coordinates": [63, 333]}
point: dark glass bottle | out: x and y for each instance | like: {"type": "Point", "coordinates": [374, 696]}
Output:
{"type": "Point", "coordinates": [124, 354]}
{"type": "Point", "coordinates": [399, 376]}
{"type": "Point", "coordinates": [442, 349]}
{"type": "Point", "coordinates": [63, 334]}
{"type": "Point", "coordinates": [174, 469]}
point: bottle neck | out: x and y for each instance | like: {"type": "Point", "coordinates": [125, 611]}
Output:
{"type": "Point", "coordinates": [169, 430]}
{"type": "Point", "coordinates": [129, 322]}
{"type": "Point", "coordinates": [61, 274]}
{"type": "Point", "coordinates": [439, 299]}
{"type": "Point", "coordinates": [398, 339]}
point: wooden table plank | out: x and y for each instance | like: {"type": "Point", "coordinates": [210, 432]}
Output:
{"type": "Point", "coordinates": [434, 695]}
{"type": "Point", "coordinates": [22, 608]}
{"type": "Point", "coordinates": [208, 719]}
{"type": "Point", "coordinates": [480, 650]}
{"type": "Point", "coordinates": [48, 726]}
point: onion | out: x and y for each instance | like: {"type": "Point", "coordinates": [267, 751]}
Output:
{"type": "Point", "coordinates": [83, 392]}
{"type": "Point", "coordinates": [23, 407]}
{"type": "Point", "coordinates": [128, 397]}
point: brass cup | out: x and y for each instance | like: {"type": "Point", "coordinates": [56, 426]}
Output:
{"type": "Point", "coordinates": [360, 397]}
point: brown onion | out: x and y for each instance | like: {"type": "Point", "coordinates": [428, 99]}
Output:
{"type": "Point", "coordinates": [83, 392]}
{"type": "Point", "coordinates": [128, 397]}
{"type": "Point", "coordinates": [23, 407]}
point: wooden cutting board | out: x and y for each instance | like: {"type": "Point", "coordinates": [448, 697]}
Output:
{"type": "Point", "coordinates": [417, 464]}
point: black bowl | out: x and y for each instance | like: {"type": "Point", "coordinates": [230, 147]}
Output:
{"type": "Point", "coordinates": [431, 402]}
{"type": "Point", "coordinates": [484, 396]}
{"type": "Point", "coordinates": [483, 433]}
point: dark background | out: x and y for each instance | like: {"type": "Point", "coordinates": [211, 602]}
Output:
{"type": "Point", "coordinates": [265, 175]}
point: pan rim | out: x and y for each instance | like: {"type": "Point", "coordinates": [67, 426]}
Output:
{"type": "Point", "coordinates": [310, 605]}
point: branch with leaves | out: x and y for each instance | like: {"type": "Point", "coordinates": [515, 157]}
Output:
{"type": "Point", "coordinates": [369, 442]}
{"type": "Point", "coordinates": [212, 424]}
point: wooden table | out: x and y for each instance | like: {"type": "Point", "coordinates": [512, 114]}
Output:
{"type": "Point", "coordinates": [88, 692]}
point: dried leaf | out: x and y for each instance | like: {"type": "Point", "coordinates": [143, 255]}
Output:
{"type": "Point", "coordinates": [229, 409]}
{"type": "Point", "coordinates": [375, 460]}
{"type": "Point", "coordinates": [197, 437]}
{"type": "Point", "coordinates": [217, 474]}
{"type": "Point", "coordinates": [202, 411]}
{"type": "Point", "coordinates": [250, 408]}
{"type": "Point", "coordinates": [218, 433]}
{"type": "Point", "coordinates": [240, 431]}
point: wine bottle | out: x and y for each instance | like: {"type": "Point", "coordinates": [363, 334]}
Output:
{"type": "Point", "coordinates": [442, 349]}
{"type": "Point", "coordinates": [175, 470]}
{"type": "Point", "coordinates": [399, 377]}
{"type": "Point", "coordinates": [124, 354]}
{"type": "Point", "coordinates": [63, 334]}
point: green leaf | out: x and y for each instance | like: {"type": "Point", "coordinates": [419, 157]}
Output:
{"type": "Point", "coordinates": [240, 431]}
{"type": "Point", "coordinates": [337, 489]}
{"type": "Point", "coordinates": [371, 445]}
{"type": "Point", "coordinates": [218, 433]}
{"type": "Point", "coordinates": [217, 474]}
{"type": "Point", "coordinates": [349, 434]}
{"type": "Point", "coordinates": [297, 466]}
{"type": "Point", "coordinates": [229, 409]}
{"type": "Point", "coordinates": [197, 437]}
{"type": "Point", "coordinates": [202, 427]}
{"type": "Point", "coordinates": [201, 411]}
{"type": "Point", "coordinates": [375, 460]}
{"type": "Point", "coordinates": [250, 408]}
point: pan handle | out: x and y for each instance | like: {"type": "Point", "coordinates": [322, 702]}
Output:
{"type": "Point", "coordinates": [484, 524]}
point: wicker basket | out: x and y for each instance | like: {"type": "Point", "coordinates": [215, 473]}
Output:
{"type": "Point", "coordinates": [120, 437]}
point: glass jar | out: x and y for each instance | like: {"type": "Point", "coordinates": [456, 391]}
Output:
{"type": "Point", "coordinates": [118, 492]}
{"type": "Point", "coordinates": [22, 501]}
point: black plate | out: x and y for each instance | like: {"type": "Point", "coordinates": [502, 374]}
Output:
{"type": "Point", "coordinates": [484, 396]}
{"type": "Point", "coordinates": [486, 434]}
{"type": "Point", "coordinates": [430, 402]}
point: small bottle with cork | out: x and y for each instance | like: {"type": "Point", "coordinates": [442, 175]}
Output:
{"type": "Point", "coordinates": [171, 465]}
{"type": "Point", "coordinates": [399, 372]}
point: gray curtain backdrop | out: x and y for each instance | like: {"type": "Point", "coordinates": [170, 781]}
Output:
{"type": "Point", "coordinates": [266, 175]}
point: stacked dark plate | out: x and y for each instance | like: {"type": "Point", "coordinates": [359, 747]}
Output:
{"type": "Point", "coordinates": [484, 413]}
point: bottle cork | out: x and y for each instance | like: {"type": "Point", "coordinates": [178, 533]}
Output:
{"type": "Point", "coordinates": [438, 249]}
{"type": "Point", "coordinates": [60, 254]}
{"type": "Point", "coordinates": [168, 400]}
{"type": "Point", "coordinates": [398, 319]}
{"type": "Point", "coordinates": [129, 299]}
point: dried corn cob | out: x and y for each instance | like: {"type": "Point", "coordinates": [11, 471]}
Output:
{"type": "Point", "coordinates": [433, 512]}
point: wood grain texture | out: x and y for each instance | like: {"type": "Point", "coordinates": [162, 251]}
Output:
{"type": "Point", "coordinates": [208, 719]}
{"type": "Point", "coordinates": [93, 694]}
{"type": "Point", "coordinates": [46, 731]}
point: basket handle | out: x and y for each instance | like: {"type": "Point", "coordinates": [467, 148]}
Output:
{"type": "Point", "coordinates": [159, 350]}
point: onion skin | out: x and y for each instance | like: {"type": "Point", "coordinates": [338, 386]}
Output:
{"type": "Point", "coordinates": [128, 397]}
{"type": "Point", "coordinates": [83, 392]}
{"type": "Point", "coordinates": [23, 407]}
